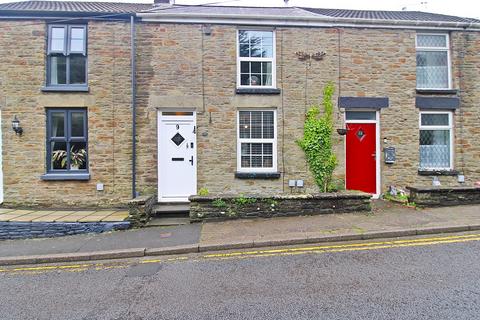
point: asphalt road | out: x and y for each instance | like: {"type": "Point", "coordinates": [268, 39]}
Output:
{"type": "Point", "coordinates": [412, 279]}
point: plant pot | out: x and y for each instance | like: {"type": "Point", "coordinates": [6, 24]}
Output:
{"type": "Point", "coordinates": [73, 167]}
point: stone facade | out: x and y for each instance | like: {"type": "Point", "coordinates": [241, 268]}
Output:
{"type": "Point", "coordinates": [108, 103]}
{"type": "Point", "coordinates": [361, 62]}
{"type": "Point", "coordinates": [179, 66]}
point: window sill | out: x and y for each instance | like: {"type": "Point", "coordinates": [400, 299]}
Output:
{"type": "Point", "coordinates": [65, 176]}
{"type": "Point", "coordinates": [257, 91]}
{"type": "Point", "coordinates": [438, 172]}
{"type": "Point", "coordinates": [257, 175]}
{"type": "Point", "coordinates": [437, 91]}
{"type": "Point", "coordinates": [65, 89]}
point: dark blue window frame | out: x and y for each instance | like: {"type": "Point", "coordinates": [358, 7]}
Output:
{"type": "Point", "coordinates": [67, 138]}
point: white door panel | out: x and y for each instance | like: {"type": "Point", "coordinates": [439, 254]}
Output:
{"type": "Point", "coordinates": [176, 156]}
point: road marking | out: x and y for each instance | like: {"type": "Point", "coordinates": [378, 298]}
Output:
{"type": "Point", "coordinates": [375, 245]}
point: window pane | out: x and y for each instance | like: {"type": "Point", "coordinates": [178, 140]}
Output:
{"type": "Point", "coordinates": [432, 69]}
{"type": "Point", "coordinates": [244, 50]}
{"type": "Point", "coordinates": [58, 70]}
{"type": "Point", "coordinates": [57, 128]}
{"type": "Point", "coordinates": [256, 67]}
{"type": "Point", "coordinates": [57, 41]}
{"type": "Point", "coordinates": [243, 36]}
{"type": "Point", "coordinates": [255, 79]}
{"type": "Point", "coordinates": [245, 154]}
{"type": "Point", "coordinates": [78, 124]}
{"type": "Point", "coordinates": [256, 123]}
{"type": "Point", "coordinates": [257, 161]}
{"type": "Point", "coordinates": [267, 51]}
{"type": "Point", "coordinates": [439, 41]}
{"type": "Point", "coordinates": [360, 115]}
{"type": "Point", "coordinates": [435, 119]}
{"type": "Point", "coordinates": [59, 155]}
{"type": "Point", "coordinates": [77, 39]}
{"type": "Point", "coordinates": [434, 149]}
{"type": "Point", "coordinates": [78, 155]}
{"type": "Point", "coordinates": [244, 123]}
{"type": "Point", "coordinates": [77, 69]}
{"type": "Point", "coordinates": [268, 121]}
{"type": "Point", "coordinates": [245, 79]}
{"type": "Point", "coordinates": [255, 44]}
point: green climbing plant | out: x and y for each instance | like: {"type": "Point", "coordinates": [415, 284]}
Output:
{"type": "Point", "coordinates": [317, 141]}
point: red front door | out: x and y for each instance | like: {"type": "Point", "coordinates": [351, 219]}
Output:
{"type": "Point", "coordinates": [361, 157]}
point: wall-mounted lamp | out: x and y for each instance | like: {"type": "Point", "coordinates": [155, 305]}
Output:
{"type": "Point", "coordinates": [342, 131]}
{"type": "Point", "coordinates": [16, 126]}
{"type": "Point", "coordinates": [385, 140]}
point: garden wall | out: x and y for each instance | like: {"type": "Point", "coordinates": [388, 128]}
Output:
{"type": "Point", "coordinates": [443, 196]}
{"type": "Point", "coordinates": [233, 207]}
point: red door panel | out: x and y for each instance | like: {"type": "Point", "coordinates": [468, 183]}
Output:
{"type": "Point", "coordinates": [360, 157]}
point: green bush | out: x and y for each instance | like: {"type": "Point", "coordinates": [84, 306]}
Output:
{"type": "Point", "coordinates": [317, 141]}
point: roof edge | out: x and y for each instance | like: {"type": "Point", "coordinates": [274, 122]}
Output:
{"type": "Point", "coordinates": [276, 20]}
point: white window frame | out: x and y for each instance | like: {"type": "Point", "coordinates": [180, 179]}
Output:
{"type": "Point", "coordinates": [257, 59]}
{"type": "Point", "coordinates": [449, 127]}
{"type": "Point", "coordinates": [447, 48]}
{"type": "Point", "coordinates": [250, 140]}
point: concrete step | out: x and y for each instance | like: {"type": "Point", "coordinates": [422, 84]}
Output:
{"type": "Point", "coordinates": [168, 221]}
{"type": "Point", "coordinates": [162, 209]}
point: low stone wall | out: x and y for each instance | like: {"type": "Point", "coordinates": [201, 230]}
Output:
{"type": "Point", "coordinates": [23, 230]}
{"type": "Point", "coordinates": [233, 207]}
{"type": "Point", "coordinates": [443, 196]}
{"type": "Point", "coordinates": [140, 210]}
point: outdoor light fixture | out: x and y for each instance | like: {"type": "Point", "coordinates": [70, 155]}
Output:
{"type": "Point", "coordinates": [16, 126]}
{"type": "Point", "coordinates": [342, 131]}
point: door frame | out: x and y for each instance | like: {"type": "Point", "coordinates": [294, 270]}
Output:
{"type": "Point", "coordinates": [377, 146]}
{"type": "Point", "coordinates": [159, 120]}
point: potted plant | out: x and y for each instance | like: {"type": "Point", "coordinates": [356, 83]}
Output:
{"type": "Point", "coordinates": [77, 158]}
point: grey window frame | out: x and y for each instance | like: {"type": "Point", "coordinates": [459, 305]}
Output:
{"type": "Point", "coordinates": [66, 52]}
{"type": "Point", "coordinates": [67, 139]}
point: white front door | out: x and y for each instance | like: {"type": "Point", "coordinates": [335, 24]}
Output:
{"type": "Point", "coordinates": [177, 156]}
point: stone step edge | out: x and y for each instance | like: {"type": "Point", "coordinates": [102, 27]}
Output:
{"type": "Point", "coordinates": [196, 248]}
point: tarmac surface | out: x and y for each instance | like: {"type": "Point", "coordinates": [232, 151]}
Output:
{"type": "Point", "coordinates": [414, 278]}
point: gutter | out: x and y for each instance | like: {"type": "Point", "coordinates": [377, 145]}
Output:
{"type": "Point", "coordinates": [33, 15]}
{"type": "Point", "coordinates": [134, 105]}
{"type": "Point", "coordinates": [302, 21]}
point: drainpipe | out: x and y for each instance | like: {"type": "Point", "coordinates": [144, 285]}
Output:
{"type": "Point", "coordinates": [134, 106]}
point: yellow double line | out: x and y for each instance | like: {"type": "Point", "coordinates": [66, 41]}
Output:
{"type": "Point", "coordinates": [255, 253]}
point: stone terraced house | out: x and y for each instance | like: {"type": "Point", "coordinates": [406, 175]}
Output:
{"type": "Point", "coordinates": [216, 98]}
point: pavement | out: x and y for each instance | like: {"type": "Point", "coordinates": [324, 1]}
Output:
{"type": "Point", "coordinates": [15, 215]}
{"type": "Point", "coordinates": [387, 220]}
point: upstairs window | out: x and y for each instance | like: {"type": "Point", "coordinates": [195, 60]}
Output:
{"type": "Point", "coordinates": [433, 61]}
{"type": "Point", "coordinates": [67, 55]}
{"type": "Point", "coordinates": [436, 139]}
{"type": "Point", "coordinates": [257, 141]}
{"type": "Point", "coordinates": [256, 59]}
